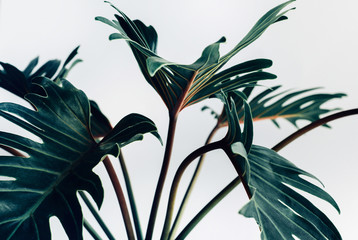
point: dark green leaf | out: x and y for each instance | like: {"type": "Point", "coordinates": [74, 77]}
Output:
{"type": "Point", "coordinates": [53, 169]}
{"type": "Point", "coordinates": [130, 128]}
{"type": "Point", "coordinates": [272, 105]}
{"type": "Point", "coordinates": [20, 84]}
{"type": "Point", "coordinates": [100, 125]}
{"type": "Point", "coordinates": [182, 85]}
{"type": "Point", "coordinates": [279, 210]}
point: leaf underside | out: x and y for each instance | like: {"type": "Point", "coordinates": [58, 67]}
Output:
{"type": "Point", "coordinates": [280, 211]}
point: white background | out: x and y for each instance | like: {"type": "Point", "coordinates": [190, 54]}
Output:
{"type": "Point", "coordinates": [316, 46]}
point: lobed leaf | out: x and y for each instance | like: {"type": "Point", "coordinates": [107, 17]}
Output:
{"type": "Point", "coordinates": [183, 85]}
{"type": "Point", "coordinates": [273, 105]}
{"type": "Point", "coordinates": [280, 211]}
{"type": "Point", "coordinates": [53, 169]}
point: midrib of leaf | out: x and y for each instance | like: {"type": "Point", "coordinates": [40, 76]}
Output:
{"type": "Point", "coordinates": [47, 192]}
{"type": "Point", "coordinates": [61, 175]}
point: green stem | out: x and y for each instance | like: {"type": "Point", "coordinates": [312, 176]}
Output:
{"type": "Point", "coordinates": [208, 207]}
{"type": "Point", "coordinates": [91, 230]}
{"type": "Point", "coordinates": [120, 196]}
{"type": "Point", "coordinates": [131, 198]}
{"type": "Point", "coordinates": [96, 215]}
{"type": "Point", "coordinates": [176, 181]}
{"type": "Point", "coordinates": [312, 126]}
{"type": "Point", "coordinates": [190, 187]}
{"type": "Point", "coordinates": [162, 176]}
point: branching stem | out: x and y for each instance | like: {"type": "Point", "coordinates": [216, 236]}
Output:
{"type": "Point", "coordinates": [176, 181]}
{"type": "Point", "coordinates": [208, 207]}
{"type": "Point", "coordinates": [190, 186]}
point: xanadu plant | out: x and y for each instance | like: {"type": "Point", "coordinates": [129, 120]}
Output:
{"type": "Point", "coordinates": [42, 176]}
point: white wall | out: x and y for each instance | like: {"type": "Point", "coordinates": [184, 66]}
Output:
{"type": "Point", "coordinates": [315, 47]}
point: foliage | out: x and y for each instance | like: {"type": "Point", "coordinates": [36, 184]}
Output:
{"type": "Point", "coordinates": [71, 136]}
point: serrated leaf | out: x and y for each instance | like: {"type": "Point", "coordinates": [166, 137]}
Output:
{"type": "Point", "coordinates": [280, 211]}
{"type": "Point", "coordinates": [53, 169]}
{"type": "Point", "coordinates": [183, 85]}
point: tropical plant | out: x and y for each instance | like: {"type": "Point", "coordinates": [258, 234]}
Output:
{"type": "Point", "coordinates": [41, 175]}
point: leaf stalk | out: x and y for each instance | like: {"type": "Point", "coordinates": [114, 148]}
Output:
{"type": "Point", "coordinates": [312, 126]}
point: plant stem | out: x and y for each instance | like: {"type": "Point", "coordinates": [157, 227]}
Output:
{"type": "Point", "coordinates": [176, 181]}
{"type": "Point", "coordinates": [131, 197]}
{"type": "Point", "coordinates": [238, 170]}
{"type": "Point", "coordinates": [191, 186]}
{"type": "Point", "coordinates": [208, 207]}
{"type": "Point", "coordinates": [96, 215]}
{"type": "Point", "coordinates": [91, 230]}
{"type": "Point", "coordinates": [120, 196]}
{"type": "Point", "coordinates": [312, 126]}
{"type": "Point", "coordinates": [162, 176]}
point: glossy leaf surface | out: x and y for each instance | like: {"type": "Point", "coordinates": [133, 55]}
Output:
{"type": "Point", "coordinates": [182, 85]}
{"type": "Point", "coordinates": [20, 83]}
{"type": "Point", "coordinates": [281, 211]}
{"type": "Point", "coordinates": [45, 180]}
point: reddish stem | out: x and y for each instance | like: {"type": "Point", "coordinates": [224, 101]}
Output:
{"type": "Point", "coordinates": [120, 196]}
{"type": "Point", "coordinates": [312, 126]}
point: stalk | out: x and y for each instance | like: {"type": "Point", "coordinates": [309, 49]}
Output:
{"type": "Point", "coordinates": [208, 207]}
{"type": "Point", "coordinates": [96, 215]}
{"type": "Point", "coordinates": [173, 117]}
{"type": "Point", "coordinates": [91, 230]}
{"type": "Point", "coordinates": [162, 176]}
{"type": "Point", "coordinates": [176, 181]}
{"type": "Point", "coordinates": [191, 186]}
{"type": "Point", "coordinates": [131, 198]}
{"type": "Point", "coordinates": [312, 126]}
{"type": "Point", "coordinates": [120, 196]}
{"type": "Point", "coordinates": [238, 170]}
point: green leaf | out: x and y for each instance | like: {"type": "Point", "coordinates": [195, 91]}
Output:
{"type": "Point", "coordinates": [130, 128]}
{"type": "Point", "coordinates": [20, 84]}
{"type": "Point", "coordinates": [100, 125]}
{"type": "Point", "coordinates": [183, 85]}
{"type": "Point", "coordinates": [273, 105]}
{"type": "Point", "coordinates": [281, 211]}
{"type": "Point", "coordinates": [53, 168]}
{"type": "Point", "coordinates": [291, 106]}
